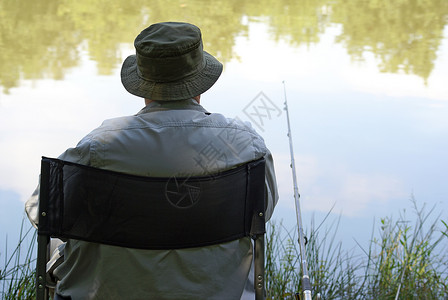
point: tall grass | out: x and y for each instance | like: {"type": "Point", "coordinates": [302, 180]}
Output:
{"type": "Point", "coordinates": [17, 279]}
{"type": "Point", "coordinates": [410, 261]}
{"type": "Point", "coordinates": [407, 260]}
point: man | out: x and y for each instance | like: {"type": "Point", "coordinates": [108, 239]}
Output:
{"type": "Point", "coordinates": [173, 134]}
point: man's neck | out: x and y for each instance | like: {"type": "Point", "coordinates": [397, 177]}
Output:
{"type": "Point", "coordinates": [197, 98]}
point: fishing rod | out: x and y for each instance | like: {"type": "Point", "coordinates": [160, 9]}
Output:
{"type": "Point", "coordinates": [306, 283]}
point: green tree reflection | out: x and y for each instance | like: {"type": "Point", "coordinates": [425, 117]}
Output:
{"type": "Point", "coordinates": [297, 22]}
{"type": "Point", "coordinates": [404, 35]}
{"type": "Point", "coordinates": [34, 42]}
{"type": "Point", "coordinates": [45, 39]}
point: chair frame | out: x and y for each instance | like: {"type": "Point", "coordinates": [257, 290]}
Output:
{"type": "Point", "coordinates": [56, 192]}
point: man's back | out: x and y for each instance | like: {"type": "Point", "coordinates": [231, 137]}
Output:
{"type": "Point", "coordinates": [172, 139]}
{"type": "Point", "coordinates": [172, 136]}
{"type": "Point", "coordinates": [164, 139]}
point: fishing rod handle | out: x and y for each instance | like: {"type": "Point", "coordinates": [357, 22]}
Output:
{"type": "Point", "coordinates": [307, 295]}
{"type": "Point", "coordinates": [306, 287]}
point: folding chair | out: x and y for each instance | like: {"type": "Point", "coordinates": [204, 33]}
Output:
{"type": "Point", "coordinates": [101, 206]}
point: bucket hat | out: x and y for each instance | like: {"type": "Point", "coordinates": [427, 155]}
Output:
{"type": "Point", "coordinates": [170, 63]}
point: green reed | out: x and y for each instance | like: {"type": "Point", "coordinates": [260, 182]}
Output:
{"type": "Point", "coordinates": [407, 260]}
{"type": "Point", "coordinates": [17, 279]}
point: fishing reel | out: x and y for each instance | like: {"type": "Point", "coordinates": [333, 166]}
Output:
{"type": "Point", "coordinates": [297, 297]}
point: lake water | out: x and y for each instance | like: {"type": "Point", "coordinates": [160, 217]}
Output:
{"type": "Point", "coordinates": [366, 83]}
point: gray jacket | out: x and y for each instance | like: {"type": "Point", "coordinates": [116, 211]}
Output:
{"type": "Point", "coordinates": [164, 139]}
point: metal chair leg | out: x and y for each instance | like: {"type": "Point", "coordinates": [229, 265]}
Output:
{"type": "Point", "coordinates": [259, 268]}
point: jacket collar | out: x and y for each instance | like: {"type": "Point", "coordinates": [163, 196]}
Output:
{"type": "Point", "coordinates": [189, 104]}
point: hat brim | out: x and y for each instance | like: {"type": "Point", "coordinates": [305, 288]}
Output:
{"type": "Point", "coordinates": [185, 88]}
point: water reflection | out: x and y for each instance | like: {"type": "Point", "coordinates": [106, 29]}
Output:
{"type": "Point", "coordinates": [403, 35]}
{"type": "Point", "coordinates": [44, 39]}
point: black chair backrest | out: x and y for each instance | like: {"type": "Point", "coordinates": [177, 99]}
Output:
{"type": "Point", "coordinates": [96, 205]}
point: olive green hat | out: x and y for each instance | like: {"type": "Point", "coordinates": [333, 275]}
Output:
{"type": "Point", "coordinates": [170, 63]}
